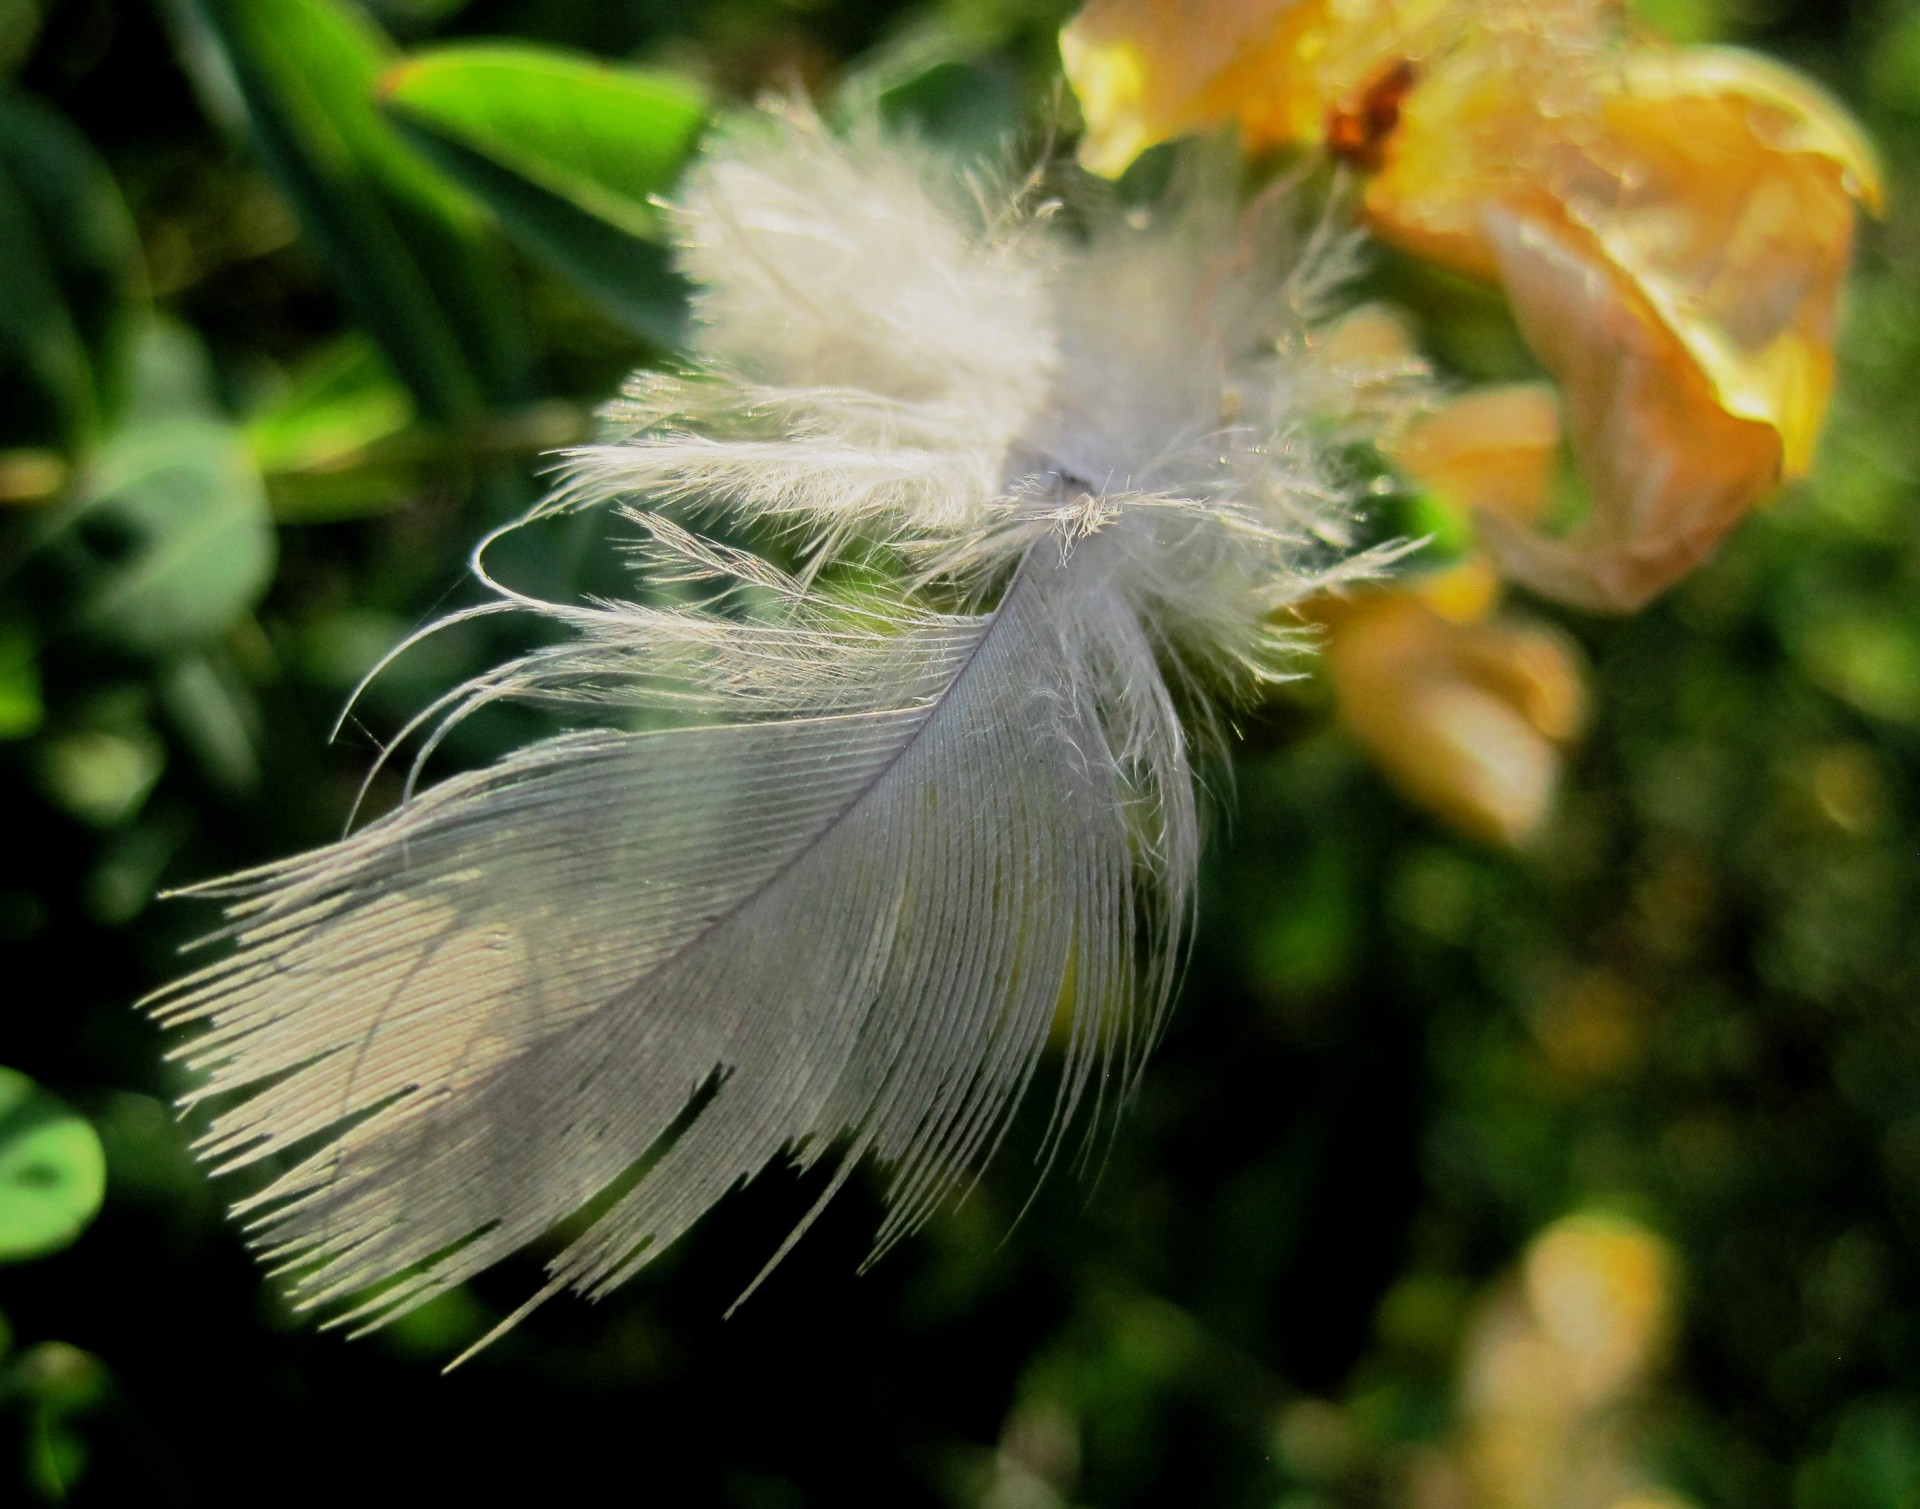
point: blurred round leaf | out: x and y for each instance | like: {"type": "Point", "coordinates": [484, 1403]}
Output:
{"type": "Point", "coordinates": [52, 1172]}
{"type": "Point", "coordinates": [1865, 652]}
{"type": "Point", "coordinates": [169, 539]}
{"type": "Point", "coordinates": [170, 376]}
{"type": "Point", "coordinates": [102, 775]}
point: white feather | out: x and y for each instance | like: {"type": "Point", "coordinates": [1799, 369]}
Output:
{"type": "Point", "coordinates": [837, 910]}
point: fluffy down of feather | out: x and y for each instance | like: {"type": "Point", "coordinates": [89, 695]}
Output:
{"type": "Point", "coordinates": [896, 833]}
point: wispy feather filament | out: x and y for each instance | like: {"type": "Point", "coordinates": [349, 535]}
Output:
{"type": "Point", "coordinates": [838, 909]}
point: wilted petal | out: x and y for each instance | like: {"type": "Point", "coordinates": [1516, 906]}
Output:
{"type": "Point", "coordinates": [1371, 337]}
{"type": "Point", "coordinates": [1719, 180]}
{"type": "Point", "coordinates": [1671, 227]}
{"type": "Point", "coordinates": [1668, 470]}
{"type": "Point", "coordinates": [1281, 70]}
{"type": "Point", "coordinates": [1601, 1288]}
{"type": "Point", "coordinates": [1722, 186]}
{"type": "Point", "coordinates": [1467, 718]}
{"type": "Point", "coordinates": [1551, 1358]}
{"type": "Point", "coordinates": [1492, 448]}
{"type": "Point", "coordinates": [1483, 127]}
{"type": "Point", "coordinates": [1363, 373]}
{"type": "Point", "coordinates": [1147, 70]}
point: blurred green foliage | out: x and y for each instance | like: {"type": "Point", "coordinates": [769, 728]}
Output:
{"type": "Point", "coordinates": [283, 330]}
{"type": "Point", "coordinates": [52, 1172]}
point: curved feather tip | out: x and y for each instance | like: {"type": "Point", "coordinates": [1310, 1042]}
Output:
{"type": "Point", "coordinates": [834, 908]}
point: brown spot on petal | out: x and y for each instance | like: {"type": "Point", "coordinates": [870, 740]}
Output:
{"type": "Point", "coordinates": [1358, 133]}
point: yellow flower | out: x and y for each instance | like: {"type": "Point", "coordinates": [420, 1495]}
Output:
{"type": "Point", "coordinates": [1467, 715]}
{"type": "Point", "coordinates": [1602, 1290]}
{"type": "Point", "coordinates": [1297, 70]}
{"type": "Point", "coordinates": [1550, 1357]}
{"type": "Point", "coordinates": [1282, 70]}
{"type": "Point", "coordinates": [1669, 225]}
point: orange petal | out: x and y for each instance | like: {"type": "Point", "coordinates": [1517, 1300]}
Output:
{"type": "Point", "coordinates": [1668, 470]}
{"type": "Point", "coordinates": [1672, 226]}
{"type": "Point", "coordinates": [1369, 337]}
{"type": "Point", "coordinates": [1549, 1360]}
{"type": "Point", "coordinates": [1480, 128]}
{"type": "Point", "coordinates": [1602, 1289]}
{"type": "Point", "coordinates": [1798, 116]}
{"type": "Point", "coordinates": [1147, 70]}
{"type": "Point", "coordinates": [1466, 719]}
{"type": "Point", "coordinates": [1363, 371]}
{"type": "Point", "coordinates": [1722, 185]}
{"type": "Point", "coordinates": [1491, 448]}
{"type": "Point", "coordinates": [1464, 593]}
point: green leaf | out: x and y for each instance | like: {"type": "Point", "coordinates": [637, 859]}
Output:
{"type": "Point", "coordinates": [170, 376]}
{"type": "Point", "coordinates": [1893, 64]}
{"type": "Point", "coordinates": [104, 775]}
{"type": "Point", "coordinates": [1441, 522]}
{"type": "Point", "coordinates": [321, 444]}
{"type": "Point", "coordinates": [630, 279]}
{"type": "Point", "coordinates": [164, 540]}
{"type": "Point", "coordinates": [342, 400]}
{"type": "Point", "coordinates": [168, 540]}
{"type": "Point", "coordinates": [604, 139]}
{"type": "Point", "coordinates": [52, 1171]}
{"type": "Point", "coordinates": [567, 153]}
{"type": "Point", "coordinates": [324, 444]}
{"type": "Point", "coordinates": [1864, 652]}
{"type": "Point", "coordinates": [409, 252]}
{"type": "Point", "coordinates": [21, 710]}
{"type": "Point", "coordinates": [69, 279]}
{"type": "Point", "coordinates": [963, 105]}
{"type": "Point", "coordinates": [218, 719]}
{"type": "Point", "coordinates": [60, 1385]}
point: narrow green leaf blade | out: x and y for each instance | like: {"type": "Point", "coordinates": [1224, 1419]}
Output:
{"type": "Point", "coordinates": [407, 250]}
{"type": "Point", "coordinates": [70, 279]}
{"type": "Point", "coordinates": [631, 279]}
{"type": "Point", "coordinates": [568, 153]}
{"type": "Point", "coordinates": [343, 399]}
{"type": "Point", "coordinates": [21, 709]}
{"type": "Point", "coordinates": [319, 445]}
{"type": "Point", "coordinates": [604, 139]}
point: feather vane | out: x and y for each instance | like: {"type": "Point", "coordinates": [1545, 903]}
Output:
{"type": "Point", "coordinates": [837, 908]}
